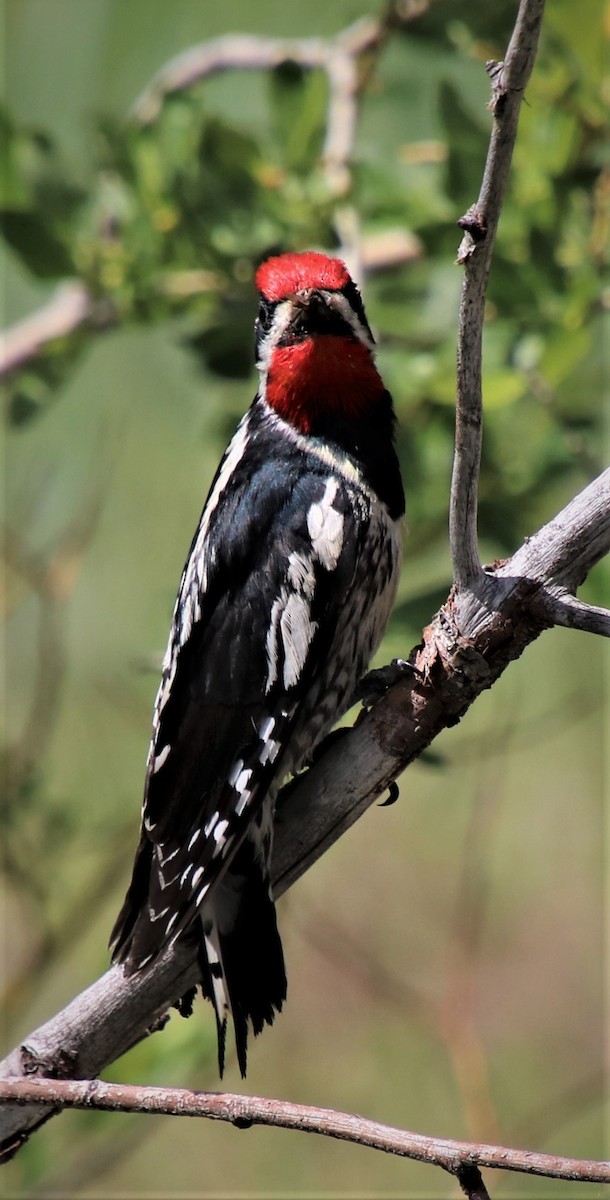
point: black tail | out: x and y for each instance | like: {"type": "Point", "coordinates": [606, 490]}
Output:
{"type": "Point", "coordinates": [240, 955]}
{"type": "Point", "coordinates": [242, 959]}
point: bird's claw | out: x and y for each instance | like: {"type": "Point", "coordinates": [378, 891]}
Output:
{"type": "Point", "coordinates": [376, 683]}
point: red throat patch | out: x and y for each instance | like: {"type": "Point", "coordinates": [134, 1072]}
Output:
{"type": "Point", "coordinates": [278, 278]}
{"type": "Point", "coordinates": [332, 376]}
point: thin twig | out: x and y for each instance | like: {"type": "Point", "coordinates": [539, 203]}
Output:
{"type": "Point", "coordinates": [243, 1111]}
{"type": "Point", "coordinates": [480, 224]}
{"type": "Point", "coordinates": [247, 52]}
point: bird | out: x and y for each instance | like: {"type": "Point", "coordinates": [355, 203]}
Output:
{"type": "Point", "coordinates": [285, 596]}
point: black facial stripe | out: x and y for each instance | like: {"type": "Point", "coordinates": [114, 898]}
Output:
{"type": "Point", "coordinates": [354, 299]}
{"type": "Point", "coordinates": [265, 314]}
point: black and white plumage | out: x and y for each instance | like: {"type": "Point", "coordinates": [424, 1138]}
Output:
{"type": "Point", "coordinates": [283, 600]}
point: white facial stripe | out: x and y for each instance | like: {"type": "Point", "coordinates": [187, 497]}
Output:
{"type": "Point", "coordinates": [343, 306]}
{"type": "Point", "coordinates": [281, 320]}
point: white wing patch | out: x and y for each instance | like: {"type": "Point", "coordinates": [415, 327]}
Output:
{"type": "Point", "coordinates": [325, 526]}
{"type": "Point", "coordinates": [297, 630]}
{"type": "Point", "coordinates": [291, 628]}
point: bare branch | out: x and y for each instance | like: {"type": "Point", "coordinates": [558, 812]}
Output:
{"type": "Point", "coordinates": [69, 307]}
{"type": "Point", "coordinates": [480, 224]}
{"type": "Point", "coordinates": [566, 549]}
{"type": "Point", "coordinates": [237, 52]}
{"type": "Point", "coordinates": [459, 1158]}
{"type": "Point", "coordinates": [247, 52]}
{"type": "Point", "coordinates": [561, 608]}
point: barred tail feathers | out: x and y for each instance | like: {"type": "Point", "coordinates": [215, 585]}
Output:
{"type": "Point", "coordinates": [240, 951]}
{"type": "Point", "coordinates": [243, 969]}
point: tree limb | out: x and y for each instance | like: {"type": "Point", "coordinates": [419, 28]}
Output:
{"type": "Point", "coordinates": [461, 1159]}
{"type": "Point", "coordinates": [480, 224]}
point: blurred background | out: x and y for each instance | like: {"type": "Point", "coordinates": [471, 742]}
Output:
{"type": "Point", "coordinates": [445, 959]}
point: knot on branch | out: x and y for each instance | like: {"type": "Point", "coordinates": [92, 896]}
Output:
{"type": "Point", "coordinates": [60, 1065]}
{"type": "Point", "coordinates": [499, 90]}
{"type": "Point", "coordinates": [474, 225]}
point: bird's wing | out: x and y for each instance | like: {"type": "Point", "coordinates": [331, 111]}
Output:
{"type": "Point", "coordinates": [257, 609]}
